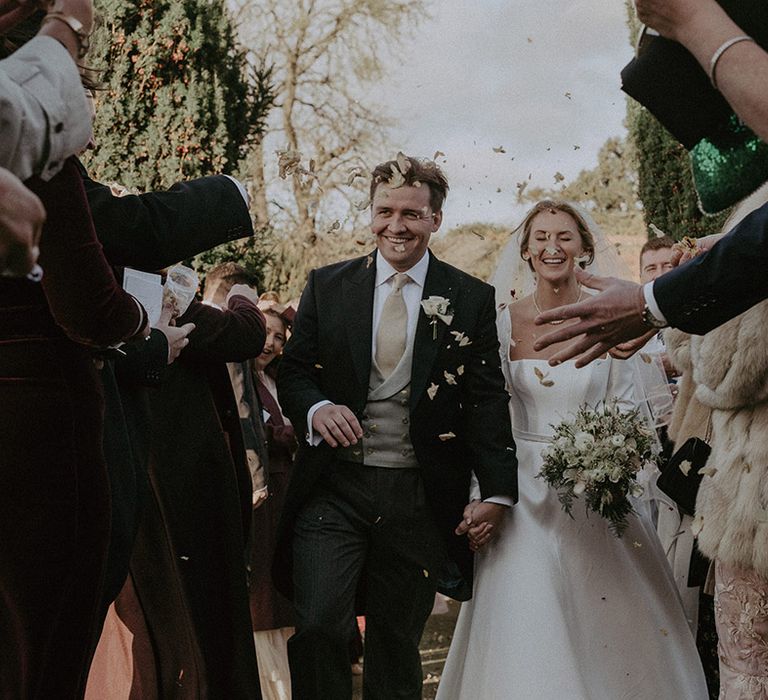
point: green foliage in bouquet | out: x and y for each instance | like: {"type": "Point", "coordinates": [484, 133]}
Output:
{"type": "Point", "coordinates": [598, 455]}
{"type": "Point", "coordinates": [179, 101]}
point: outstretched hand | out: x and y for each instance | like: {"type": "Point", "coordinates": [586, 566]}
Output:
{"type": "Point", "coordinates": [605, 320]}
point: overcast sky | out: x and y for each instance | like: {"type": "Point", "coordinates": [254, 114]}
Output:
{"type": "Point", "coordinates": [539, 78]}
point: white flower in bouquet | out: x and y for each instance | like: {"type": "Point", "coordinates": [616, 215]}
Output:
{"type": "Point", "coordinates": [597, 455]}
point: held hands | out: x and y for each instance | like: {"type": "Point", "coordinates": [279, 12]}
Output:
{"type": "Point", "coordinates": [481, 523]}
{"type": "Point", "coordinates": [337, 425]}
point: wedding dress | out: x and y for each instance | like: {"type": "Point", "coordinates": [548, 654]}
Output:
{"type": "Point", "coordinates": [562, 608]}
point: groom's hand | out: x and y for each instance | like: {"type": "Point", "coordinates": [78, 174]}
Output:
{"type": "Point", "coordinates": [481, 522]}
{"type": "Point", "coordinates": [336, 425]}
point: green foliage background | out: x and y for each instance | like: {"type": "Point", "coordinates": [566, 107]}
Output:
{"type": "Point", "coordinates": [179, 100]}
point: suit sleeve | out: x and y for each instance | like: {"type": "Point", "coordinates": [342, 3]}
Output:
{"type": "Point", "coordinates": [298, 383]}
{"type": "Point", "coordinates": [235, 334]}
{"type": "Point", "coordinates": [157, 229]}
{"type": "Point", "coordinates": [82, 292]}
{"type": "Point", "coordinates": [486, 410]}
{"type": "Point", "coordinates": [144, 363]}
{"type": "Point", "coordinates": [721, 284]}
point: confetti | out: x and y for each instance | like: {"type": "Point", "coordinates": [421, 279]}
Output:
{"type": "Point", "coordinates": [559, 177]}
{"type": "Point", "coordinates": [499, 149]}
{"type": "Point", "coordinates": [438, 154]}
{"type": "Point", "coordinates": [446, 436]}
{"type": "Point", "coordinates": [432, 391]}
{"type": "Point", "coordinates": [368, 261]}
{"type": "Point", "coordinates": [460, 370]}
{"type": "Point", "coordinates": [403, 163]}
{"type": "Point", "coordinates": [449, 378]}
{"type": "Point", "coordinates": [656, 230]}
{"type": "Point", "coordinates": [568, 95]}
{"type": "Point", "coordinates": [685, 466]}
{"type": "Point", "coordinates": [645, 357]}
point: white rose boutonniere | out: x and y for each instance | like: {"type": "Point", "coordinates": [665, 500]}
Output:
{"type": "Point", "coordinates": [437, 308]}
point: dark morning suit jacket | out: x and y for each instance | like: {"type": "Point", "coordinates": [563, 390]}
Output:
{"type": "Point", "coordinates": [329, 357]}
{"type": "Point", "coordinates": [723, 283]}
{"type": "Point", "coordinates": [157, 229]}
{"type": "Point", "coordinates": [149, 232]}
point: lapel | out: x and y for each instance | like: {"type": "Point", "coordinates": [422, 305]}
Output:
{"type": "Point", "coordinates": [357, 306]}
{"type": "Point", "coordinates": [439, 282]}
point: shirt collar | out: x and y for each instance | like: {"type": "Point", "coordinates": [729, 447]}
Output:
{"type": "Point", "coordinates": [418, 273]}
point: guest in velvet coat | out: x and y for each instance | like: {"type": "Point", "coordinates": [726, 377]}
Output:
{"type": "Point", "coordinates": [54, 491]}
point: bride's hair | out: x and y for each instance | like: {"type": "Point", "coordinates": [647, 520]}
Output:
{"type": "Point", "coordinates": [553, 206]}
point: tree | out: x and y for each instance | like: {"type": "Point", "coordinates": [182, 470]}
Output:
{"type": "Point", "coordinates": [179, 101]}
{"type": "Point", "coordinates": [308, 176]}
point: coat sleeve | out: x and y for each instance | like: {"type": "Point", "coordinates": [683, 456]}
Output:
{"type": "Point", "coordinates": [44, 115]}
{"type": "Point", "coordinates": [157, 229]}
{"type": "Point", "coordinates": [719, 285]}
{"type": "Point", "coordinates": [82, 292]}
{"type": "Point", "coordinates": [234, 334]}
{"type": "Point", "coordinates": [298, 382]}
{"type": "Point", "coordinates": [486, 410]}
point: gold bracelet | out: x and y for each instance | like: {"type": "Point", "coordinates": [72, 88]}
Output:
{"type": "Point", "coordinates": [719, 53]}
{"type": "Point", "coordinates": [83, 38]}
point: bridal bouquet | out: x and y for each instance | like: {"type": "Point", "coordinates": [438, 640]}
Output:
{"type": "Point", "coordinates": [598, 455]}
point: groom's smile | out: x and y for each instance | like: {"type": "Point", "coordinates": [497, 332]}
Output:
{"type": "Point", "coordinates": [403, 222]}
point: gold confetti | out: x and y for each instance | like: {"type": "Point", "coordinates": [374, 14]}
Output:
{"type": "Point", "coordinates": [645, 357]}
{"type": "Point", "coordinates": [438, 154]}
{"type": "Point", "coordinates": [446, 436]}
{"type": "Point", "coordinates": [460, 370]}
{"type": "Point", "coordinates": [402, 162]}
{"type": "Point", "coordinates": [637, 545]}
{"type": "Point", "coordinates": [559, 177]}
{"type": "Point", "coordinates": [318, 366]}
{"type": "Point", "coordinates": [449, 378]}
{"type": "Point", "coordinates": [432, 390]}
{"type": "Point", "coordinates": [520, 187]}
{"type": "Point", "coordinates": [396, 179]}
{"type": "Point", "coordinates": [368, 261]}
{"type": "Point", "coordinates": [708, 471]}
{"type": "Point", "coordinates": [568, 95]}
{"type": "Point", "coordinates": [499, 149]}
{"type": "Point", "coordinates": [656, 230]}
{"type": "Point", "coordinates": [685, 466]}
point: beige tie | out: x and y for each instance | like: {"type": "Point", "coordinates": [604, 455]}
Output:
{"type": "Point", "coordinates": [393, 327]}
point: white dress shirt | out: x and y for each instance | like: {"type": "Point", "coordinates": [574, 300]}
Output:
{"type": "Point", "coordinates": [650, 300]}
{"type": "Point", "coordinates": [44, 114]}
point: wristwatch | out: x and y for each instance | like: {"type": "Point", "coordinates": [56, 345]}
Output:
{"type": "Point", "coordinates": [650, 320]}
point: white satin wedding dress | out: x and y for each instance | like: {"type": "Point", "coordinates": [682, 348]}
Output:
{"type": "Point", "coordinates": [563, 609]}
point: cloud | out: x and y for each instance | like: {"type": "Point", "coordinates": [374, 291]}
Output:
{"type": "Point", "coordinates": [485, 74]}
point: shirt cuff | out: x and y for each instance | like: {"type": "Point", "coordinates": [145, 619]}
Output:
{"type": "Point", "coordinates": [241, 189]}
{"type": "Point", "coordinates": [312, 439]}
{"type": "Point", "coordinates": [500, 501]}
{"type": "Point", "coordinates": [650, 300]}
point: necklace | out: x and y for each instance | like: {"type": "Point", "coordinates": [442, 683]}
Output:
{"type": "Point", "coordinates": [559, 321]}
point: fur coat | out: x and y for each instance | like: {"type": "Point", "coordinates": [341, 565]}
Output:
{"type": "Point", "coordinates": [730, 369]}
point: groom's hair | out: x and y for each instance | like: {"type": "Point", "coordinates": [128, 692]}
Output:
{"type": "Point", "coordinates": [417, 170]}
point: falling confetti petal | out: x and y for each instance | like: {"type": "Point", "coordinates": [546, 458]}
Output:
{"type": "Point", "coordinates": [432, 390]}
{"type": "Point", "coordinates": [446, 436]}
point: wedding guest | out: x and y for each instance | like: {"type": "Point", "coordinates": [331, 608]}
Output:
{"type": "Point", "coordinates": [656, 259]}
{"type": "Point", "coordinates": [272, 614]}
{"type": "Point", "coordinates": [219, 281]}
{"type": "Point", "coordinates": [729, 278]}
{"type": "Point", "coordinates": [55, 510]}
{"type": "Point", "coordinates": [43, 108]}
{"type": "Point", "coordinates": [554, 613]}
{"type": "Point", "coordinates": [730, 367]}
{"type": "Point", "coordinates": [380, 485]}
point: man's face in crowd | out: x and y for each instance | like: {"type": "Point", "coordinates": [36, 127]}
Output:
{"type": "Point", "coordinates": [655, 263]}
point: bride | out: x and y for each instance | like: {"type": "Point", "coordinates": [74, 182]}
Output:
{"type": "Point", "coordinates": [562, 608]}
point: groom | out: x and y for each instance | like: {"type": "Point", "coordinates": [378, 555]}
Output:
{"type": "Point", "coordinates": [399, 404]}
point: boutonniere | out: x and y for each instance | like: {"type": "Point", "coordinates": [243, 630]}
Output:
{"type": "Point", "coordinates": [437, 308]}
